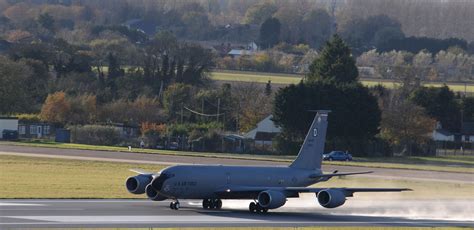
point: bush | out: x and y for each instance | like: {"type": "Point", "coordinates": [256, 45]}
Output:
{"type": "Point", "coordinates": [96, 135]}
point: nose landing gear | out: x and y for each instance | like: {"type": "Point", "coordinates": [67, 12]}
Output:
{"type": "Point", "coordinates": [212, 204]}
{"type": "Point", "coordinates": [174, 205]}
{"type": "Point", "coordinates": [255, 207]}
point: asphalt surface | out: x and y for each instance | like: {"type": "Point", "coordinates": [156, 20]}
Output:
{"type": "Point", "coordinates": [141, 158]}
{"type": "Point", "coordinates": [144, 213]}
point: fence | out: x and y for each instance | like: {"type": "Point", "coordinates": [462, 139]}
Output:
{"type": "Point", "coordinates": [449, 148]}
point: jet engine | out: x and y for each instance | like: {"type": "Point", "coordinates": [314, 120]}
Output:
{"type": "Point", "coordinates": [137, 184]}
{"type": "Point", "coordinates": [153, 194]}
{"type": "Point", "coordinates": [331, 198]}
{"type": "Point", "coordinates": [271, 199]}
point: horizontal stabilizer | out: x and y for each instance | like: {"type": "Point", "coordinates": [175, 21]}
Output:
{"type": "Point", "coordinates": [316, 176]}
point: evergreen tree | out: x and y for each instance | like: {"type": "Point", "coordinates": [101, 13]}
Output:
{"type": "Point", "coordinates": [334, 64]}
{"type": "Point", "coordinates": [440, 104]}
{"type": "Point", "coordinates": [269, 33]}
{"type": "Point", "coordinates": [354, 119]}
{"type": "Point", "coordinates": [46, 21]}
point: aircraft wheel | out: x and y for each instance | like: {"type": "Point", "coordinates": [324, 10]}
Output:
{"type": "Point", "coordinates": [218, 204]}
{"type": "Point", "coordinates": [205, 204]}
{"type": "Point", "coordinates": [174, 205]}
{"type": "Point", "coordinates": [252, 207]}
{"type": "Point", "coordinates": [258, 208]}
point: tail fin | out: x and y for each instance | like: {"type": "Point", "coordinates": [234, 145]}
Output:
{"type": "Point", "coordinates": [311, 152]}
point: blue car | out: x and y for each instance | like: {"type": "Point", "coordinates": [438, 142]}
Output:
{"type": "Point", "coordinates": [337, 156]}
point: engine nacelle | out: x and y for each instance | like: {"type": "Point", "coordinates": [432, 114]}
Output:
{"type": "Point", "coordinates": [271, 199]}
{"type": "Point", "coordinates": [153, 194]}
{"type": "Point", "coordinates": [331, 198]}
{"type": "Point", "coordinates": [137, 184]}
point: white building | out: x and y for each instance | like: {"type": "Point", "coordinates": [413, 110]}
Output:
{"type": "Point", "coordinates": [8, 123]}
{"type": "Point", "coordinates": [250, 49]}
{"type": "Point", "coordinates": [264, 132]}
{"type": "Point", "coordinates": [442, 135]}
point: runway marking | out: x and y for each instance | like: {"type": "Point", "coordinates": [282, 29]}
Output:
{"type": "Point", "coordinates": [133, 219]}
{"type": "Point", "coordinates": [42, 209]}
{"type": "Point", "coordinates": [77, 220]}
{"type": "Point", "coordinates": [20, 204]}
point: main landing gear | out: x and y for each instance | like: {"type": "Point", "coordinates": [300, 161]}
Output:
{"type": "Point", "coordinates": [255, 207]}
{"type": "Point", "coordinates": [212, 203]}
{"type": "Point", "coordinates": [174, 205]}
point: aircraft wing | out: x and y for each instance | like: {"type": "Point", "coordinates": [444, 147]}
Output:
{"type": "Point", "coordinates": [315, 176]}
{"type": "Point", "coordinates": [143, 172]}
{"type": "Point", "coordinates": [251, 192]}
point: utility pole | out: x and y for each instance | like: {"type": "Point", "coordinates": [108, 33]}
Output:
{"type": "Point", "coordinates": [218, 108]}
{"type": "Point", "coordinates": [202, 106]}
{"type": "Point", "coordinates": [181, 114]}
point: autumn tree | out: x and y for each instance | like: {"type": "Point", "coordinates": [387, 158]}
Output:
{"type": "Point", "coordinates": [406, 124]}
{"type": "Point", "coordinates": [176, 96]}
{"type": "Point", "coordinates": [83, 109]}
{"type": "Point", "coordinates": [56, 108]}
{"type": "Point", "coordinates": [252, 105]}
{"type": "Point", "coordinates": [142, 109]}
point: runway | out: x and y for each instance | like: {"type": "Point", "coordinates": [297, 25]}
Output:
{"type": "Point", "coordinates": [297, 212]}
{"type": "Point", "coordinates": [145, 158]}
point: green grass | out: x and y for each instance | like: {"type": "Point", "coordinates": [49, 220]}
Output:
{"type": "Point", "coordinates": [285, 79]}
{"type": "Point", "coordinates": [31, 177]}
{"type": "Point", "coordinates": [461, 164]}
{"type": "Point", "coordinates": [34, 177]}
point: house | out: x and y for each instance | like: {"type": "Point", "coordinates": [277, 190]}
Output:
{"type": "Point", "coordinates": [442, 135]}
{"type": "Point", "coordinates": [250, 49]}
{"type": "Point", "coordinates": [8, 123]}
{"type": "Point", "coordinates": [467, 132]}
{"type": "Point", "coordinates": [35, 129]}
{"type": "Point", "coordinates": [234, 143]}
{"type": "Point", "coordinates": [265, 131]}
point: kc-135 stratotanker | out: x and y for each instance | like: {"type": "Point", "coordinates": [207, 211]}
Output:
{"type": "Point", "coordinates": [268, 186]}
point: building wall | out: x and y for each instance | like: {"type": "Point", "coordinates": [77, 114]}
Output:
{"type": "Point", "coordinates": [9, 124]}
{"type": "Point", "coordinates": [441, 137]}
{"type": "Point", "coordinates": [35, 130]}
{"type": "Point", "coordinates": [266, 126]}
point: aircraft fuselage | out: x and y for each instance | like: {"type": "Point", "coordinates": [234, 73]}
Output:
{"type": "Point", "coordinates": [201, 181]}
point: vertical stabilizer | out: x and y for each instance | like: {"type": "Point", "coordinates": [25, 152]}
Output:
{"type": "Point", "coordinates": [311, 152]}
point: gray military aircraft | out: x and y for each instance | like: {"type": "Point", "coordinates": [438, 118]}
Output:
{"type": "Point", "coordinates": [268, 186]}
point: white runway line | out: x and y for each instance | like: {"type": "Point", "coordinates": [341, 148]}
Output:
{"type": "Point", "coordinates": [19, 204]}
{"type": "Point", "coordinates": [135, 219]}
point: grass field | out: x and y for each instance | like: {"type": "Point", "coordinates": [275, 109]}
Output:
{"type": "Point", "coordinates": [31, 177]}
{"type": "Point", "coordinates": [464, 164]}
{"type": "Point", "coordinates": [286, 79]}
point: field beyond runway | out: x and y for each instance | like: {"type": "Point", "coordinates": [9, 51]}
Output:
{"type": "Point", "coordinates": [144, 213]}
{"type": "Point", "coordinates": [286, 79]}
